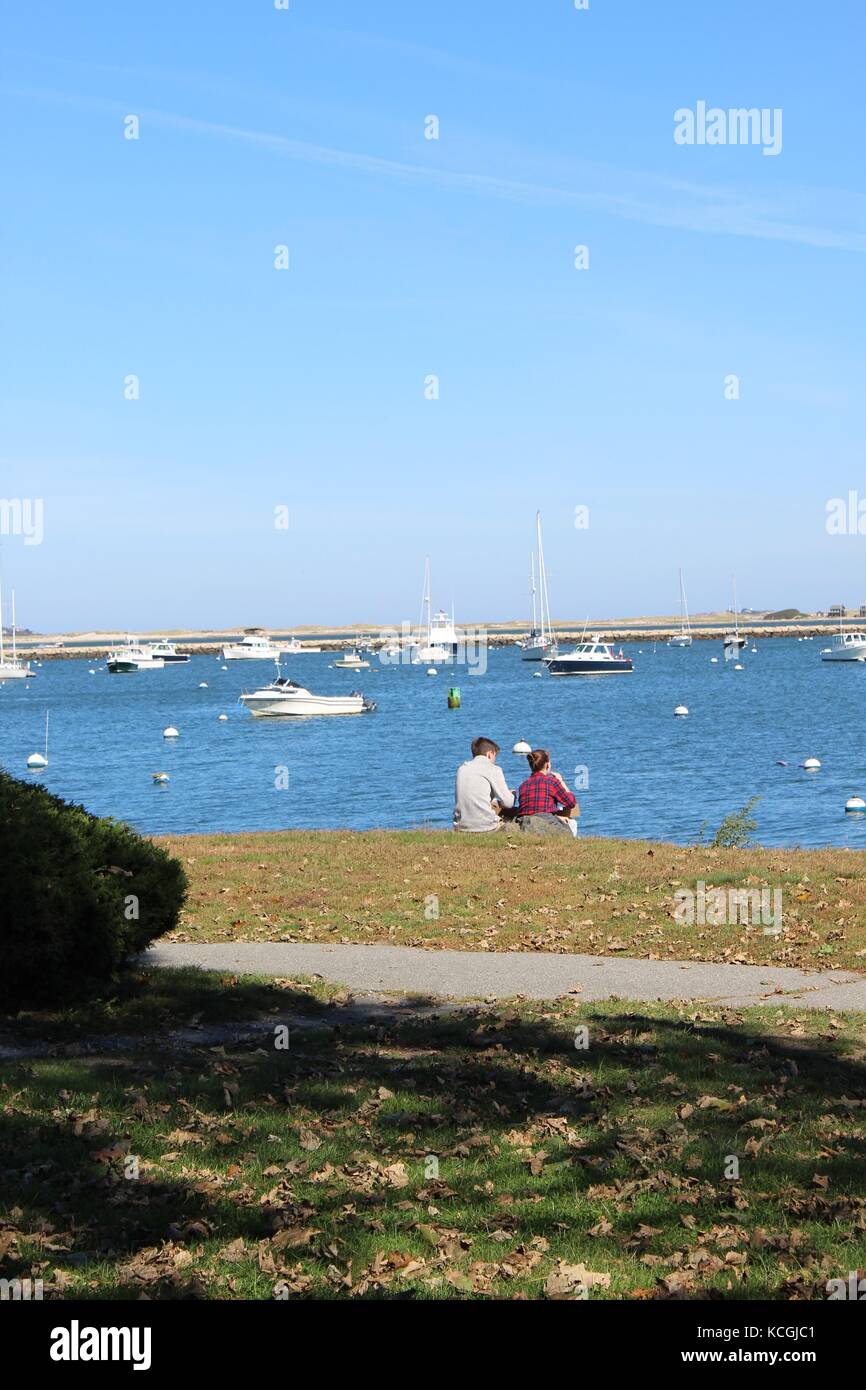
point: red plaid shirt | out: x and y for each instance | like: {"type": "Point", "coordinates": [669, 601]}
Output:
{"type": "Point", "coordinates": [542, 794]}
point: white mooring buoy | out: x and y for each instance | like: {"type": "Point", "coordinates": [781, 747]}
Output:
{"type": "Point", "coordinates": [811, 765]}
{"type": "Point", "coordinates": [738, 667]}
{"type": "Point", "coordinates": [202, 685]}
{"type": "Point", "coordinates": [170, 732]}
{"type": "Point", "coordinates": [855, 804]}
{"type": "Point", "coordinates": [536, 675]}
{"type": "Point", "coordinates": [522, 746]}
{"type": "Point", "coordinates": [222, 716]}
{"type": "Point", "coordinates": [681, 710]}
{"type": "Point", "coordinates": [160, 776]}
{"type": "Point", "coordinates": [714, 660]}
{"type": "Point", "coordinates": [40, 759]}
{"type": "Point", "coordinates": [431, 671]}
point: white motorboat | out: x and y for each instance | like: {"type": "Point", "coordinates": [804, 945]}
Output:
{"type": "Point", "coordinates": [845, 646]}
{"type": "Point", "coordinates": [352, 662]}
{"type": "Point", "coordinates": [168, 651]}
{"type": "Point", "coordinates": [590, 658]}
{"type": "Point", "coordinates": [255, 645]}
{"type": "Point", "coordinates": [285, 697]}
{"type": "Point", "coordinates": [683, 638]}
{"type": "Point", "coordinates": [134, 656]}
{"type": "Point", "coordinates": [437, 639]}
{"type": "Point", "coordinates": [12, 668]}
{"type": "Point", "coordinates": [539, 644]}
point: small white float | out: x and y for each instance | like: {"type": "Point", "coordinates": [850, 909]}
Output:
{"type": "Point", "coordinates": [431, 671]}
{"type": "Point", "coordinates": [811, 765]}
{"type": "Point", "coordinates": [536, 675]}
{"type": "Point", "coordinates": [171, 732]}
{"type": "Point", "coordinates": [855, 804]}
{"type": "Point", "coordinates": [37, 760]}
{"type": "Point", "coordinates": [202, 685]}
{"type": "Point", "coordinates": [222, 716]}
{"type": "Point", "coordinates": [681, 710]}
{"type": "Point", "coordinates": [714, 660]}
{"type": "Point", "coordinates": [160, 776]}
{"type": "Point", "coordinates": [738, 667]}
{"type": "Point", "coordinates": [521, 747]}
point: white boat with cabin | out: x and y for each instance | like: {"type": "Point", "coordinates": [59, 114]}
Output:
{"type": "Point", "coordinates": [285, 697]}
{"type": "Point", "coordinates": [437, 638]}
{"type": "Point", "coordinates": [255, 645]}
{"type": "Point", "coordinates": [845, 646]}
{"type": "Point", "coordinates": [351, 661]}
{"type": "Point", "coordinates": [168, 651]}
{"type": "Point", "coordinates": [134, 656]}
{"type": "Point", "coordinates": [590, 658]}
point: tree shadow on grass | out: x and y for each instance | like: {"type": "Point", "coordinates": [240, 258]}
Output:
{"type": "Point", "coordinates": [457, 1138]}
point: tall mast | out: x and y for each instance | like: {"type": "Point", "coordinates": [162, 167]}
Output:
{"type": "Point", "coordinates": [1, 619]}
{"type": "Point", "coordinates": [736, 617]}
{"type": "Point", "coordinates": [532, 592]}
{"type": "Point", "coordinates": [684, 610]}
{"type": "Point", "coordinates": [542, 577]}
{"type": "Point", "coordinates": [14, 648]}
{"type": "Point", "coordinates": [425, 597]}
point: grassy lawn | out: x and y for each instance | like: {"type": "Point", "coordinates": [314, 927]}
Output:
{"type": "Point", "coordinates": [503, 893]}
{"type": "Point", "coordinates": [432, 1154]}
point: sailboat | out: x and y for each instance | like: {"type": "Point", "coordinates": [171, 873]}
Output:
{"type": "Point", "coordinates": [540, 644]}
{"type": "Point", "coordinates": [734, 643]}
{"type": "Point", "coordinates": [11, 668]}
{"type": "Point", "coordinates": [683, 638]}
{"type": "Point", "coordinates": [437, 637]}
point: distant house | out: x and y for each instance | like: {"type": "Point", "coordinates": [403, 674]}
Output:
{"type": "Point", "coordinates": [836, 610]}
{"type": "Point", "coordinates": [862, 611]}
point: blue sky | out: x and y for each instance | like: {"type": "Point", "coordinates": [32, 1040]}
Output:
{"type": "Point", "coordinates": [304, 388]}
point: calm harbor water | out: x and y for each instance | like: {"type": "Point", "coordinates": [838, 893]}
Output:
{"type": "Point", "coordinates": [649, 773]}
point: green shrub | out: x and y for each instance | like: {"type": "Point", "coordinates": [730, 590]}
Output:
{"type": "Point", "coordinates": [79, 894]}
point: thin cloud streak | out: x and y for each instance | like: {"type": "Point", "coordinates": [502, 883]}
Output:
{"type": "Point", "coordinates": [729, 215]}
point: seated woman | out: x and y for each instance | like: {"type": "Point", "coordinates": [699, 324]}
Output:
{"type": "Point", "coordinates": [545, 805]}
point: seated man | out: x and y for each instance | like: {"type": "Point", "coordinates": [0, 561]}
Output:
{"type": "Point", "coordinates": [479, 782]}
{"type": "Point", "coordinates": [545, 804]}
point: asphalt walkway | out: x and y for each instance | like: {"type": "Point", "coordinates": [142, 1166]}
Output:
{"type": "Point", "coordinates": [533, 974]}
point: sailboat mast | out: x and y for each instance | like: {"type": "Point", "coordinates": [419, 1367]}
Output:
{"type": "Point", "coordinates": [1, 620]}
{"type": "Point", "coordinates": [425, 597]}
{"type": "Point", "coordinates": [14, 647]}
{"type": "Point", "coordinates": [532, 592]}
{"type": "Point", "coordinates": [542, 576]}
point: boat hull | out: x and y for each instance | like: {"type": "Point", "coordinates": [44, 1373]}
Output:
{"type": "Point", "coordinates": [271, 707]}
{"type": "Point", "coordinates": [562, 666]}
{"type": "Point", "coordinates": [125, 668]}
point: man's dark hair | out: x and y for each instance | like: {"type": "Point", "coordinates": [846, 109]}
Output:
{"type": "Point", "coordinates": [483, 746]}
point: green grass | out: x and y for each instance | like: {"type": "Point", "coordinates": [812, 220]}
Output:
{"type": "Point", "coordinates": [510, 892]}
{"type": "Point", "coordinates": [307, 1169]}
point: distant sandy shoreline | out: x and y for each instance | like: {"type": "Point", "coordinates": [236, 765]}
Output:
{"type": "Point", "coordinates": [207, 641]}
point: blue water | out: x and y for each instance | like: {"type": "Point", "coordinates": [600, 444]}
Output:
{"type": "Point", "coordinates": [649, 774]}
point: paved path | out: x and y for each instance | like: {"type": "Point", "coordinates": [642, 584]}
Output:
{"type": "Point", "coordinates": [535, 975]}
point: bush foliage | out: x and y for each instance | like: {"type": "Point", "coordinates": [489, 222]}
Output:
{"type": "Point", "coordinates": [79, 895]}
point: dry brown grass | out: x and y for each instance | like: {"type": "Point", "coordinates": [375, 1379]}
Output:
{"type": "Point", "coordinates": [502, 893]}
